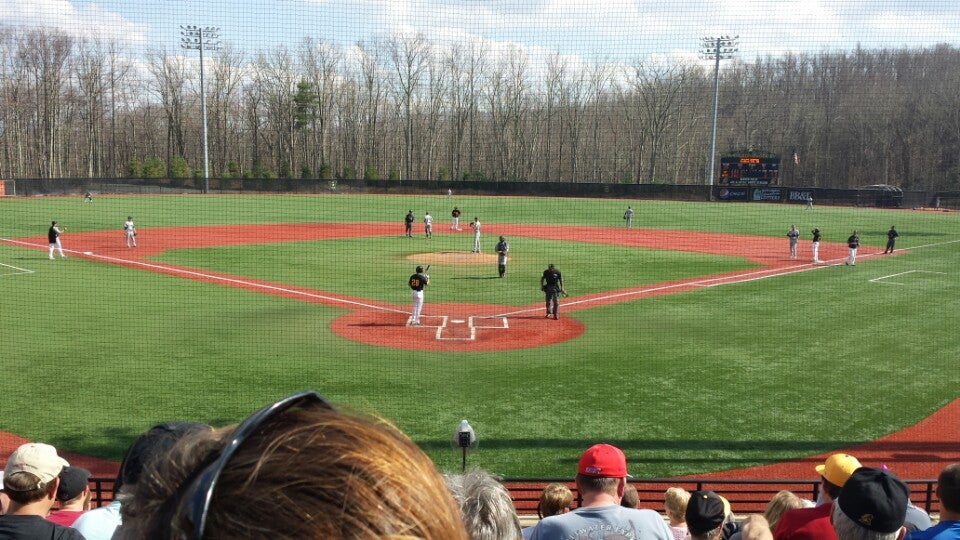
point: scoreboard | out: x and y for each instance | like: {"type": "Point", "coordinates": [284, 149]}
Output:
{"type": "Point", "coordinates": [749, 171]}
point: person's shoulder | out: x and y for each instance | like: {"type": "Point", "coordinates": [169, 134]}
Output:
{"type": "Point", "coordinates": [800, 519]}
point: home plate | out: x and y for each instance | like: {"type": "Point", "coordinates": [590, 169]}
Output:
{"type": "Point", "coordinates": [457, 321]}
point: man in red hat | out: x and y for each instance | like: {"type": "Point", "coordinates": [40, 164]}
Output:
{"type": "Point", "coordinates": [601, 479]}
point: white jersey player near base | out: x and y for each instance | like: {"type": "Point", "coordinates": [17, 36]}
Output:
{"type": "Point", "coordinates": [130, 232]}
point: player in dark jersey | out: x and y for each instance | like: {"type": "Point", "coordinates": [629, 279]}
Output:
{"type": "Point", "coordinates": [892, 235]}
{"type": "Point", "coordinates": [455, 219]}
{"type": "Point", "coordinates": [815, 245]}
{"type": "Point", "coordinates": [417, 282]}
{"type": "Point", "coordinates": [502, 249]}
{"type": "Point", "coordinates": [408, 223]}
{"type": "Point", "coordinates": [551, 283]}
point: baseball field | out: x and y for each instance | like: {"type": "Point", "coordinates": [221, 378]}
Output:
{"type": "Point", "coordinates": [691, 340]}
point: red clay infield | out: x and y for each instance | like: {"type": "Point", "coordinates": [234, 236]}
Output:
{"type": "Point", "coordinates": [916, 452]}
{"type": "Point", "coordinates": [446, 327]}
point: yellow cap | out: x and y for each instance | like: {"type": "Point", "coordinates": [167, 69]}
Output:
{"type": "Point", "coordinates": [838, 468]}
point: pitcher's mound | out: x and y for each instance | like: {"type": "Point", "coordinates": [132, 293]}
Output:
{"type": "Point", "coordinates": [453, 257]}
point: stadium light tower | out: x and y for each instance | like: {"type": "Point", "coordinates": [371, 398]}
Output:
{"type": "Point", "coordinates": [198, 38]}
{"type": "Point", "coordinates": [716, 48]}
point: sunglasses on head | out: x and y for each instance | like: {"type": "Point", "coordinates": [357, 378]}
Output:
{"type": "Point", "coordinates": [190, 516]}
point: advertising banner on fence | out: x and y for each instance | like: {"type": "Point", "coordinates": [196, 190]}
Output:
{"type": "Point", "coordinates": [799, 195]}
{"type": "Point", "coordinates": [767, 194]}
{"type": "Point", "coordinates": [734, 194]}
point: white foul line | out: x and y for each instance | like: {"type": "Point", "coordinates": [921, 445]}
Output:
{"type": "Point", "coordinates": [213, 277]}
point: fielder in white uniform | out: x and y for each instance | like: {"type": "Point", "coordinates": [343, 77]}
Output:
{"type": "Point", "coordinates": [130, 232]}
{"type": "Point", "coordinates": [475, 225]}
{"type": "Point", "coordinates": [428, 224]}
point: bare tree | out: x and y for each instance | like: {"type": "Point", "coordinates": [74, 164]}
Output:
{"type": "Point", "coordinates": [168, 84]}
{"type": "Point", "coordinates": [467, 64]}
{"type": "Point", "coordinates": [278, 84]}
{"type": "Point", "coordinates": [410, 56]}
{"type": "Point", "coordinates": [225, 83]}
{"type": "Point", "coordinates": [44, 54]}
{"type": "Point", "coordinates": [322, 64]}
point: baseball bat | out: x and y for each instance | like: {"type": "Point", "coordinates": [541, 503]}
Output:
{"type": "Point", "coordinates": [427, 270]}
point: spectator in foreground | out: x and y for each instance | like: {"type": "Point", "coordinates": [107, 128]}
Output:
{"type": "Point", "coordinates": [73, 496]}
{"type": "Point", "coordinates": [705, 515]}
{"type": "Point", "coordinates": [675, 506]}
{"type": "Point", "coordinates": [4, 499]}
{"type": "Point", "coordinates": [871, 506]}
{"type": "Point", "coordinates": [916, 519]}
{"type": "Point", "coordinates": [755, 527]}
{"type": "Point", "coordinates": [630, 499]}
{"type": "Point", "coordinates": [555, 499]}
{"type": "Point", "coordinates": [730, 525]}
{"type": "Point", "coordinates": [31, 478]}
{"type": "Point", "coordinates": [296, 468]}
{"type": "Point", "coordinates": [781, 502]}
{"type": "Point", "coordinates": [814, 523]}
{"type": "Point", "coordinates": [485, 506]}
{"type": "Point", "coordinates": [948, 491]}
{"type": "Point", "coordinates": [101, 523]}
{"type": "Point", "coordinates": [601, 479]}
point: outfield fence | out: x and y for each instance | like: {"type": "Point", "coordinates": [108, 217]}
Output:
{"type": "Point", "coordinates": [869, 196]}
{"type": "Point", "coordinates": [745, 496]}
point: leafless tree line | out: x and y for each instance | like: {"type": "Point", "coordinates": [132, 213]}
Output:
{"type": "Point", "coordinates": [404, 108]}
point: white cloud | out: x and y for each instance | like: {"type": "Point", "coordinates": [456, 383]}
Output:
{"type": "Point", "coordinates": [88, 21]}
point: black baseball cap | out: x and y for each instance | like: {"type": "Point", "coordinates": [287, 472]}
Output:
{"type": "Point", "coordinates": [875, 499]}
{"type": "Point", "coordinates": [73, 480]}
{"type": "Point", "coordinates": [705, 512]}
{"type": "Point", "coordinates": [154, 442]}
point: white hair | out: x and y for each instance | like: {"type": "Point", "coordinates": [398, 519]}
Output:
{"type": "Point", "coordinates": [848, 529]}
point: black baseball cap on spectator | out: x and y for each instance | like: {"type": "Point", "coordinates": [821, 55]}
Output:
{"type": "Point", "coordinates": [705, 512]}
{"type": "Point", "coordinates": [875, 499]}
{"type": "Point", "coordinates": [156, 441]}
{"type": "Point", "coordinates": [73, 480]}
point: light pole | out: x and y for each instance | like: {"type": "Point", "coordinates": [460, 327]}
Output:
{"type": "Point", "coordinates": [717, 48]}
{"type": "Point", "coordinates": [196, 37]}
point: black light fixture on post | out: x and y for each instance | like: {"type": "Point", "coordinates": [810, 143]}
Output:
{"type": "Point", "coordinates": [465, 438]}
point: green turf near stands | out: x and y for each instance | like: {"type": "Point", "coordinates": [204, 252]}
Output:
{"type": "Point", "coordinates": [704, 380]}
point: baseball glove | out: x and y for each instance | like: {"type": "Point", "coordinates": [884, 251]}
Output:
{"type": "Point", "coordinates": [543, 288]}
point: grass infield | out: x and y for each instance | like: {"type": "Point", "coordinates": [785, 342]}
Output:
{"type": "Point", "coordinates": [704, 380]}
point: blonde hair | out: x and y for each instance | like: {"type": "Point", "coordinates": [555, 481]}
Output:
{"type": "Point", "coordinates": [781, 502]}
{"type": "Point", "coordinates": [310, 472]}
{"type": "Point", "coordinates": [675, 503]}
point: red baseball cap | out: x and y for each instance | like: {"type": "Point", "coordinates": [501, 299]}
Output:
{"type": "Point", "coordinates": [603, 461]}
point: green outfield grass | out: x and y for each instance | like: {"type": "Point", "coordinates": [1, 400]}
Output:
{"type": "Point", "coordinates": [705, 380]}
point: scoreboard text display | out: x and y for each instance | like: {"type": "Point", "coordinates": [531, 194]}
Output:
{"type": "Point", "coordinates": [749, 171]}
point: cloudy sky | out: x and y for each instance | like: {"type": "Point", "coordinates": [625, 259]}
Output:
{"type": "Point", "coordinates": [611, 30]}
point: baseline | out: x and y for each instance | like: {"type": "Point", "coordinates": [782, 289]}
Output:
{"type": "Point", "coordinates": [17, 270]}
{"type": "Point", "coordinates": [885, 280]}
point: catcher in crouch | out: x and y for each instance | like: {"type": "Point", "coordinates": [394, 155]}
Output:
{"type": "Point", "coordinates": [551, 283]}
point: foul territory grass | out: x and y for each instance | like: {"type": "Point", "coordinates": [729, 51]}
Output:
{"type": "Point", "coordinates": [710, 379]}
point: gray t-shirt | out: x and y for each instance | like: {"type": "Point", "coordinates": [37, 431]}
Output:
{"type": "Point", "coordinates": [603, 522]}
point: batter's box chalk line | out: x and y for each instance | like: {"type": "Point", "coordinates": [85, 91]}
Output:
{"type": "Point", "coordinates": [447, 328]}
